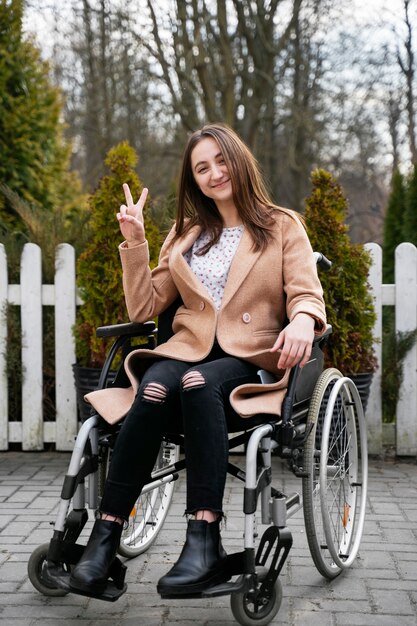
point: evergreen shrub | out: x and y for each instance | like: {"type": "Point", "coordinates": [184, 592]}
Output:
{"type": "Point", "coordinates": [400, 224]}
{"type": "Point", "coordinates": [35, 156]}
{"type": "Point", "coordinates": [393, 224]}
{"type": "Point", "coordinates": [349, 303]}
{"type": "Point", "coordinates": [99, 274]}
{"type": "Point", "coordinates": [409, 232]}
{"type": "Point", "coordinates": [41, 199]}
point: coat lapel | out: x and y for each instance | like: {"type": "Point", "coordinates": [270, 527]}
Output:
{"type": "Point", "coordinates": [242, 263]}
{"type": "Point", "coordinates": [181, 271]}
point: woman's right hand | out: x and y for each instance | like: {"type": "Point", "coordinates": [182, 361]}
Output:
{"type": "Point", "coordinates": [131, 216]}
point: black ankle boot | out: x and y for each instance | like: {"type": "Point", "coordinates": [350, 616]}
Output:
{"type": "Point", "coordinates": [91, 572]}
{"type": "Point", "coordinates": [201, 563]}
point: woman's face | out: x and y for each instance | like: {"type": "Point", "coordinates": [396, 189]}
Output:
{"type": "Point", "coordinates": [210, 171]}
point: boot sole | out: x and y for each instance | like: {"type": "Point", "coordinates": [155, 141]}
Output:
{"type": "Point", "coordinates": [192, 590]}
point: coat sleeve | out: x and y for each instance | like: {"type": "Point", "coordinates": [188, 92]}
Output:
{"type": "Point", "coordinates": [304, 293]}
{"type": "Point", "coordinates": [147, 292]}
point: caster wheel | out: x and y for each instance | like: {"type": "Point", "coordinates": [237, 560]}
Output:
{"type": "Point", "coordinates": [36, 561]}
{"type": "Point", "coordinates": [250, 609]}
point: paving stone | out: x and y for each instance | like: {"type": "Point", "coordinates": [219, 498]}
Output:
{"type": "Point", "coordinates": [310, 618]}
{"type": "Point", "coordinates": [19, 529]}
{"type": "Point", "coordinates": [11, 621]}
{"type": "Point", "coordinates": [22, 496]}
{"type": "Point", "coordinates": [7, 490]}
{"type": "Point", "coordinates": [358, 619]}
{"type": "Point", "coordinates": [379, 589]}
{"type": "Point", "coordinates": [398, 603]}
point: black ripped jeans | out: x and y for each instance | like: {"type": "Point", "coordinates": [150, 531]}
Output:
{"type": "Point", "coordinates": [206, 413]}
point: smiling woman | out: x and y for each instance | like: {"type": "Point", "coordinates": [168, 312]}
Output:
{"type": "Point", "coordinates": [241, 266]}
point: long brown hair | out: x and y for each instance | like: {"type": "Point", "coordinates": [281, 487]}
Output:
{"type": "Point", "coordinates": [250, 195]}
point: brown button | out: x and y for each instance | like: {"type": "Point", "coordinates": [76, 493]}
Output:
{"type": "Point", "coordinates": [246, 318]}
{"type": "Point", "coordinates": [202, 306]}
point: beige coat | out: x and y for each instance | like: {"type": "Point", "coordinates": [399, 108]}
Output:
{"type": "Point", "coordinates": [262, 289]}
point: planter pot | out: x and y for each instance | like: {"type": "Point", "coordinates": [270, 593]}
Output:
{"type": "Point", "coordinates": [363, 383]}
{"type": "Point", "coordinates": [86, 380]}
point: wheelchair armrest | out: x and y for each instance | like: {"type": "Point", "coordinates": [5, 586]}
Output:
{"type": "Point", "coordinates": [318, 338]}
{"type": "Point", "coordinates": [130, 329]}
{"type": "Point", "coordinates": [322, 261]}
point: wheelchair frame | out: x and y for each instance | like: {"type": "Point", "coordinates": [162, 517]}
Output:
{"type": "Point", "coordinates": [323, 438]}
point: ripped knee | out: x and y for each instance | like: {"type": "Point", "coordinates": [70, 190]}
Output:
{"type": "Point", "coordinates": [155, 393]}
{"type": "Point", "coordinates": [193, 380]}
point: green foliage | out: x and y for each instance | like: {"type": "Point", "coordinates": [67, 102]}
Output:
{"type": "Point", "coordinates": [400, 225]}
{"type": "Point", "coordinates": [164, 211]}
{"type": "Point", "coordinates": [34, 157]}
{"type": "Point", "coordinates": [14, 364]}
{"type": "Point", "coordinates": [349, 303]}
{"type": "Point", "coordinates": [40, 199]}
{"type": "Point", "coordinates": [410, 216]}
{"type": "Point", "coordinates": [46, 229]}
{"type": "Point", "coordinates": [393, 224]}
{"type": "Point", "coordinates": [99, 273]}
{"type": "Point", "coordinates": [395, 349]}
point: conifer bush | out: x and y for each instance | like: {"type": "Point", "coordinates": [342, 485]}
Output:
{"type": "Point", "coordinates": [393, 224]}
{"type": "Point", "coordinates": [349, 303]}
{"type": "Point", "coordinates": [35, 157]}
{"type": "Point", "coordinates": [410, 215]}
{"type": "Point", "coordinates": [400, 224]}
{"type": "Point", "coordinates": [99, 273]}
{"type": "Point", "coordinates": [41, 200]}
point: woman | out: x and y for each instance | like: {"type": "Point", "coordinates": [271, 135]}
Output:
{"type": "Point", "coordinates": [241, 266]}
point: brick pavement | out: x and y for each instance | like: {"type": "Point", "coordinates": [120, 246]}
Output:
{"type": "Point", "coordinates": [379, 590]}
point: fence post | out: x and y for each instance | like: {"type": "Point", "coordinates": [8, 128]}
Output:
{"type": "Point", "coordinates": [406, 320]}
{"type": "Point", "coordinates": [4, 414]}
{"type": "Point", "coordinates": [65, 307]}
{"type": "Point", "coordinates": [31, 316]}
{"type": "Point", "coordinates": [374, 407]}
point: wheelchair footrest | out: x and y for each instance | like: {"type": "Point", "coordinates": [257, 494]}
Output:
{"type": "Point", "coordinates": [234, 565]}
{"type": "Point", "coordinates": [221, 589]}
{"type": "Point", "coordinates": [238, 586]}
{"type": "Point", "coordinates": [110, 594]}
{"type": "Point", "coordinates": [56, 575]}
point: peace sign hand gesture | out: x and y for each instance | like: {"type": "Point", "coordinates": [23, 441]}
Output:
{"type": "Point", "coordinates": [131, 216]}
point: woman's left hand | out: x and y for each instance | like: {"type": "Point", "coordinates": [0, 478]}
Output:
{"type": "Point", "coordinates": [295, 341]}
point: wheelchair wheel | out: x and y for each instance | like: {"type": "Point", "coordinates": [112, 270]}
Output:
{"type": "Point", "coordinates": [35, 564]}
{"type": "Point", "coordinates": [335, 459]}
{"type": "Point", "coordinates": [150, 510]}
{"type": "Point", "coordinates": [255, 608]}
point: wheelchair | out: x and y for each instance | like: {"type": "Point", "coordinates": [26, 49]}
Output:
{"type": "Point", "coordinates": [321, 434]}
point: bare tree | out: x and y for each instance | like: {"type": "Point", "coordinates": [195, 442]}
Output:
{"type": "Point", "coordinates": [255, 65]}
{"type": "Point", "coordinates": [150, 71]}
{"type": "Point", "coordinates": [394, 116]}
{"type": "Point", "coordinates": [301, 111]}
{"type": "Point", "coordinates": [406, 62]}
{"type": "Point", "coordinates": [105, 77]}
{"type": "Point", "coordinates": [219, 61]}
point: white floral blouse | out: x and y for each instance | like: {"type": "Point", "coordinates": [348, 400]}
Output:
{"type": "Point", "coordinates": [213, 267]}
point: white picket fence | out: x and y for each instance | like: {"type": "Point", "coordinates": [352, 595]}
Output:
{"type": "Point", "coordinates": [31, 296]}
{"type": "Point", "coordinates": [33, 432]}
{"type": "Point", "coordinates": [403, 296]}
